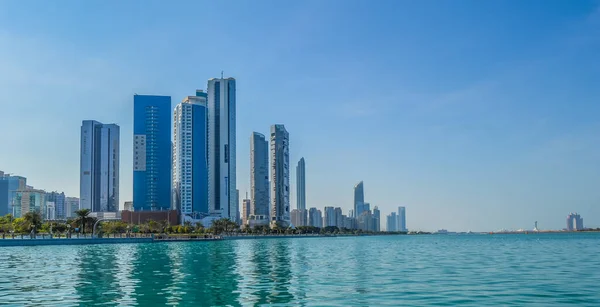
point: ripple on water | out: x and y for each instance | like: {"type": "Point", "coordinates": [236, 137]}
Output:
{"type": "Point", "coordinates": [474, 270]}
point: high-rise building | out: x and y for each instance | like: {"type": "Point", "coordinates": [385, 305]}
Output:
{"type": "Point", "coordinates": [377, 216]}
{"type": "Point", "coordinates": [9, 185]}
{"type": "Point", "coordinates": [280, 176]}
{"type": "Point", "coordinates": [366, 207]}
{"type": "Point", "coordinates": [339, 217]}
{"type": "Point", "coordinates": [4, 201]}
{"type": "Point", "coordinates": [237, 207]}
{"type": "Point", "coordinates": [329, 218]}
{"type": "Point", "coordinates": [392, 219]}
{"type": "Point", "coordinates": [574, 222]}
{"type": "Point", "coordinates": [50, 212]}
{"type": "Point", "coordinates": [366, 221]}
{"type": "Point", "coordinates": [221, 148]}
{"type": "Point", "coordinates": [190, 169]}
{"type": "Point", "coordinates": [58, 199]}
{"type": "Point", "coordinates": [295, 218]}
{"type": "Point", "coordinates": [259, 174]}
{"type": "Point", "coordinates": [152, 153]}
{"type": "Point", "coordinates": [401, 223]}
{"type": "Point", "coordinates": [246, 206]}
{"type": "Point", "coordinates": [71, 205]}
{"type": "Point", "coordinates": [315, 218]}
{"type": "Point", "coordinates": [301, 185]}
{"type": "Point", "coordinates": [29, 200]}
{"type": "Point", "coordinates": [359, 199]}
{"type": "Point", "coordinates": [99, 166]}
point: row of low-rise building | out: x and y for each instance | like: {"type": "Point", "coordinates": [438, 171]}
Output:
{"type": "Point", "coordinates": [18, 198]}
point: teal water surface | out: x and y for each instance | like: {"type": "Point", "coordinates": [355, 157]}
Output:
{"type": "Point", "coordinates": [427, 270]}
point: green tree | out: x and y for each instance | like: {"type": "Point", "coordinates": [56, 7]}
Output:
{"type": "Point", "coordinates": [83, 218]}
{"type": "Point", "coordinates": [33, 220]}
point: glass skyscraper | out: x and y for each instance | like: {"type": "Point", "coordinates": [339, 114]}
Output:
{"type": "Point", "coordinates": [280, 176]}
{"type": "Point", "coordinates": [222, 197]}
{"type": "Point", "coordinates": [301, 185]}
{"type": "Point", "coordinates": [359, 199]}
{"type": "Point", "coordinates": [99, 166]}
{"type": "Point", "coordinates": [190, 169]}
{"type": "Point", "coordinates": [259, 175]}
{"type": "Point", "coordinates": [151, 152]}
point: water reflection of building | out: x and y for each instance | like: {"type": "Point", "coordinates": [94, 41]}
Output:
{"type": "Point", "coordinates": [574, 222]}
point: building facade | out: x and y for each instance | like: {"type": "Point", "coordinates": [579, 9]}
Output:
{"type": "Point", "coordinates": [329, 218]}
{"type": "Point", "coordinates": [259, 174]}
{"type": "Point", "coordinates": [359, 199]}
{"type": "Point", "coordinates": [29, 200]}
{"type": "Point", "coordinates": [246, 206]}
{"type": "Point", "coordinates": [401, 224]}
{"type": "Point", "coordinates": [190, 168]}
{"type": "Point", "coordinates": [71, 205]}
{"type": "Point", "coordinates": [339, 217]}
{"type": "Point", "coordinates": [152, 153]}
{"type": "Point", "coordinates": [377, 217]}
{"type": "Point", "coordinates": [222, 148]}
{"type": "Point", "coordinates": [392, 220]}
{"type": "Point", "coordinates": [301, 185]}
{"type": "Point", "coordinates": [9, 185]}
{"type": "Point", "coordinates": [280, 176]}
{"type": "Point", "coordinates": [574, 222]}
{"type": "Point", "coordinates": [99, 166]}
{"type": "Point", "coordinates": [315, 218]}
{"type": "Point", "coordinates": [59, 201]}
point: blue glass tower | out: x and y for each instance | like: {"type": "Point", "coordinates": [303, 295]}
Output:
{"type": "Point", "coordinates": [151, 153]}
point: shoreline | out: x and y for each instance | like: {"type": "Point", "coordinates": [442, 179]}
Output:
{"type": "Point", "coordinates": [8, 242]}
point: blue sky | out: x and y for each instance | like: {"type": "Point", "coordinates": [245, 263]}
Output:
{"type": "Point", "coordinates": [475, 115]}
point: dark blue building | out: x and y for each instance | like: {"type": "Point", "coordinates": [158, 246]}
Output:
{"type": "Point", "coordinates": [151, 153]}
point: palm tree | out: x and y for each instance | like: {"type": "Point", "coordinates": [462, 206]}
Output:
{"type": "Point", "coordinates": [34, 219]}
{"type": "Point", "coordinates": [82, 218]}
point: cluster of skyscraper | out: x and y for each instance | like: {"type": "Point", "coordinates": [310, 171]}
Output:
{"type": "Point", "coordinates": [255, 211]}
{"type": "Point", "coordinates": [270, 199]}
{"type": "Point", "coordinates": [397, 222]}
{"type": "Point", "coordinates": [195, 173]}
{"type": "Point", "coordinates": [18, 198]}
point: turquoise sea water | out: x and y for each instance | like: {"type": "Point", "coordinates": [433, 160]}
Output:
{"type": "Point", "coordinates": [427, 270]}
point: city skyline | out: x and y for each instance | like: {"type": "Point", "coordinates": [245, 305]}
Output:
{"type": "Point", "coordinates": [499, 121]}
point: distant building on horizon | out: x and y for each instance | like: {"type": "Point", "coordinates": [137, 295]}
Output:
{"type": "Point", "coordinates": [259, 175]}
{"type": "Point", "coordinates": [377, 216]}
{"type": "Point", "coordinates": [339, 217]}
{"type": "Point", "coordinates": [9, 185]}
{"type": "Point", "coordinates": [392, 220]}
{"type": "Point", "coordinates": [246, 206]}
{"type": "Point", "coordinates": [315, 218]}
{"type": "Point", "coordinates": [59, 201]}
{"type": "Point", "coordinates": [71, 206]}
{"type": "Point", "coordinates": [301, 185]}
{"type": "Point", "coordinates": [29, 200]}
{"type": "Point", "coordinates": [359, 199]}
{"type": "Point", "coordinates": [280, 176]}
{"type": "Point", "coordinates": [329, 217]}
{"type": "Point", "coordinates": [152, 153]}
{"type": "Point", "coordinates": [401, 223]}
{"type": "Point", "coordinates": [574, 222]}
{"type": "Point", "coordinates": [190, 169]}
{"type": "Point", "coordinates": [99, 166]}
{"type": "Point", "coordinates": [222, 197]}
